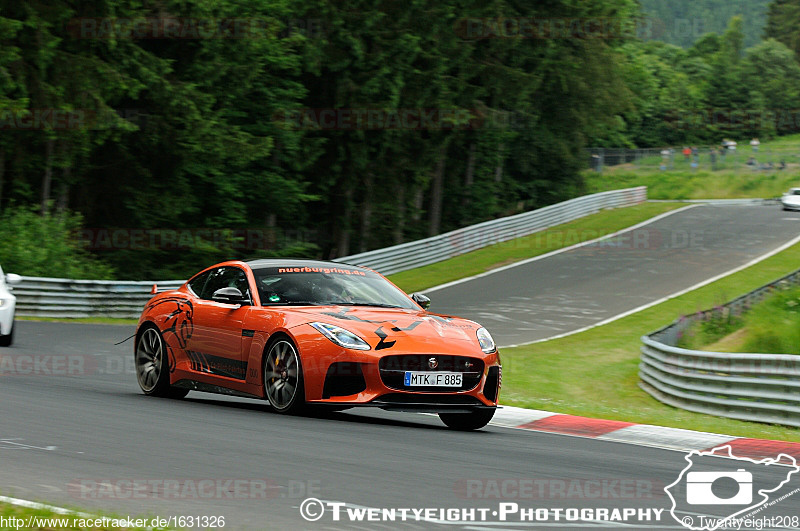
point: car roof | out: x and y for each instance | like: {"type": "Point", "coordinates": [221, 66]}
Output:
{"type": "Point", "coordinates": [298, 262]}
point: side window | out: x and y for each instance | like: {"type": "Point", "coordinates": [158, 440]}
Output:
{"type": "Point", "coordinates": [197, 283]}
{"type": "Point", "coordinates": [226, 277]}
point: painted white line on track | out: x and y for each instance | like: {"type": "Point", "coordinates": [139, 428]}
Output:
{"type": "Point", "coordinates": [558, 251]}
{"type": "Point", "coordinates": [673, 438]}
{"type": "Point", "coordinates": [699, 285]}
{"type": "Point", "coordinates": [23, 446]}
{"type": "Point", "coordinates": [512, 417]}
{"type": "Point", "coordinates": [41, 506]}
{"type": "Point", "coordinates": [641, 443]}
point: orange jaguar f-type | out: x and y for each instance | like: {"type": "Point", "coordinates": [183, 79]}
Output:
{"type": "Point", "coordinates": [304, 333]}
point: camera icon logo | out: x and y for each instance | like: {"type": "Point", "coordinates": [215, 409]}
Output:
{"type": "Point", "coordinates": [700, 487]}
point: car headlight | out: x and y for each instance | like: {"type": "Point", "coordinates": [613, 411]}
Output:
{"type": "Point", "coordinates": [486, 341]}
{"type": "Point", "coordinates": [340, 336]}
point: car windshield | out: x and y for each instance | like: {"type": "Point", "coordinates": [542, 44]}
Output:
{"type": "Point", "coordinates": [279, 286]}
{"type": "Point", "coordinates": [795, 191]}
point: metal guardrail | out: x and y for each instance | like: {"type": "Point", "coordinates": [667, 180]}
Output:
{"type": "Point", "coordinates": [58, 297]}
{"type": "Point", "coordinates": [419, 253]}
{"type": "Point", "coordinates": [754, 387]}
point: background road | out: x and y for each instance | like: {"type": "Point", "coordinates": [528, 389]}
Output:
{"type": "Point", "coordinates": [583, 286]}
{"type": "Point", "coordinates": [72, 416]}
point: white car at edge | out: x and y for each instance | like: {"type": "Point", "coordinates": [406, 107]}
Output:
{"type": "Point", "coordinates": [791, 199]}
{"type": "Point", "coordinates": [8, 303]}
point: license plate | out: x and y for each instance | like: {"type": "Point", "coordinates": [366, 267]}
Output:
{"type": "Point", "coordinates": [432, 379]}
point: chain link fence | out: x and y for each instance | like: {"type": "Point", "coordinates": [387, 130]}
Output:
{"type": "Point", "coordinates": [707, 158]}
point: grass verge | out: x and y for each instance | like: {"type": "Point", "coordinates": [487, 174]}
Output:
{"type": "Point", "coordinates": [17, 517]}
{"type": "Point", "coordinates": [683, 184]}
{"type": "Point", "coordinates": [595, 373]}
{"type": "Point", "coordinates": [539, 243]}
{"type": "Point", "coordinates": [770, 327]}
{"type": "Point", "coordinates": [733, 178]}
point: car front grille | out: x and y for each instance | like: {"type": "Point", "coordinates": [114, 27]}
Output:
{"type": "Point", "coordinates": [393, 368]}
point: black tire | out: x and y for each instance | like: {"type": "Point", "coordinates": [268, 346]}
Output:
{"type": "Point", "coordinates": [7, 340]}
{"type": "Point", "coordinates": [467, 421]}
{"type": "Point", "coordinates": [283, 377]}
{"type": "Point", "coordinates": [152, 365]}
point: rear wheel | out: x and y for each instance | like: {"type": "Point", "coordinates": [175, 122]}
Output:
{"type": "Point", "coordinates": [283, 377]}
{"type": "Point", "coordinates": [467, 421]}
{"type": "Point", "coordinates": [152, 369]}
{"type": "Point", "coordinates": [5, 341]}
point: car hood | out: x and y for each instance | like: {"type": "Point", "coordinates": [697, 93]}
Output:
{"type": "Point", "coordinates": [402, 330]}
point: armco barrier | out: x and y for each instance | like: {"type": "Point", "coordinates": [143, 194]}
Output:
{"type": "Point", "coordinates": [436, 248]}
{"type": "Point", "coordinates": [59, 297]}
{"type": "Point", "coordinates": [754, 387]}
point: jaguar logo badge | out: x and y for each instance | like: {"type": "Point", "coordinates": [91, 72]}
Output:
{"type": "Point", "coordinates": [433, 363]}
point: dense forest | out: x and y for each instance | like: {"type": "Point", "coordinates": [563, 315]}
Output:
{"type": "Point", "coordinates": [682, 22]}
{"type": "Point", "coordinates": [147, 139]}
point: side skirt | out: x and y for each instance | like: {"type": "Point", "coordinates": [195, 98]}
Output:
{"type": "Point", "coordinates": [210, 388]}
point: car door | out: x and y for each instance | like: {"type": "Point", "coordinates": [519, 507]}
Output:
{"type": "Point", "coordinates": [215, 346]}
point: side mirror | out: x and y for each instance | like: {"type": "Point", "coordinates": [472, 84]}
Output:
{"type": "Point", "coordinates": [229, 296]}
{"type": "Point", "coordinates": [421, 299]}
{"type": "Point", "coordinates": [12, 278]}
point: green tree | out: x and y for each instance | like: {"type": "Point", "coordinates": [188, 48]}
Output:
{"type": "Point", "coordinates": [46, 245]}
{"type": "Point", "coordinates": [682, 22]}
{"type": "Point", "coordinates": [772, 74]}
{"type": "Point", "coordinates": [783, 23]}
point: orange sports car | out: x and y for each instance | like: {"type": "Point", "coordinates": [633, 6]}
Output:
{"type": "Point", "coordinates": [304, 333]}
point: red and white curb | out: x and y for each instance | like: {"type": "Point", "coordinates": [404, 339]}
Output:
{"type": "Point", "coordinates": [639, 434]}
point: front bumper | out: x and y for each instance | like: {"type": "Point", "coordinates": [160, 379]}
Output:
{"type": "Point", "coordinates": [366, 384]}
{"type": "Point", "coordinates": [342, 377]}
{"type": "Point", "coordinates": [7, 307]}
{"type": "Point", "coordinates": [428, 404]}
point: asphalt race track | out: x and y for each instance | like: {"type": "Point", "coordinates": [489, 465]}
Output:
{"type": "Point", "coordinates": [583, 286]}
{"type": "Point", "coordinates": [76, 431]}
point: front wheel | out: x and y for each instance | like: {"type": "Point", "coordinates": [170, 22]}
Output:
{"type": "Point", "coordinates": [152, 369]}
{"type": "Point", "coordinates": [283, 377]}
{"type": "Point", "coordinates": [467, 421]}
